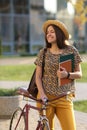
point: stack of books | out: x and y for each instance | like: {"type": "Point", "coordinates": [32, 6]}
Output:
{"type": "Point", "coordinates": [67, 62]}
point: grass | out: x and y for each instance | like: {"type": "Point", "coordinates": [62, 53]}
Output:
{"type": "Point", "coordinates": [84, 69]}
{"type": "Point", "coordinates": [81, 106]}
{"type": "Point", "coordinates": [16, 72]}
{"type": "Point", "coordinates": [7, 92]}
{"type": "Point", "coordinates": [24, 72]}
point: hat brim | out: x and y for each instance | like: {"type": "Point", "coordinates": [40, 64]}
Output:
{"type": "Point", "coordinates": [58, 24]}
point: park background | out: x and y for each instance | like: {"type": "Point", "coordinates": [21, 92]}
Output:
{"type": "Point", "coordinates": [21, 37]}
{"type": "Point", "coordinates": [21, 24]}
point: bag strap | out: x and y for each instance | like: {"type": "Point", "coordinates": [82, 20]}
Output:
{"type": "Point", "coordinates": [43, 63]}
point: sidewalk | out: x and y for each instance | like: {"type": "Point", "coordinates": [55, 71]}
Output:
{"type": "Point", "coordinates": [26, 60]}
{"type": "Point", "coordinates": [81, 88]}
{"type": "Point", "coordinates": [81, 121]}
{"type": "Point", "coordinates": [17, 60]}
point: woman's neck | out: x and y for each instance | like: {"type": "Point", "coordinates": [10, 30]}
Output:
{"type": "Point", "coordinates": [55, 50]}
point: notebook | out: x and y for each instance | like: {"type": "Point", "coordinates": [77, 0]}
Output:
{"type": "Point", "coordinates": [66, 61]}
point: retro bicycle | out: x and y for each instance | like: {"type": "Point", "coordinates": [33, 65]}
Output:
{"type": "Point", "coordinates": [20, 117]}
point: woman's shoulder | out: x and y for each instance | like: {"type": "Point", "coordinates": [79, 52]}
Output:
{"type": "Point", "coordinates": [71, 48]}
{"type": "Point", "coordinates": [42, 50]}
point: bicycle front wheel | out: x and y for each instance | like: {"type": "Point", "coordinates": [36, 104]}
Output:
{"type": "Point", "coordinates": [45, 125]}
{"type": "Point", "coordinates": [18, 120]}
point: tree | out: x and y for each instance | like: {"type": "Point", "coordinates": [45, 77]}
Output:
{"type": "Point", "coordinates": [80, 7]}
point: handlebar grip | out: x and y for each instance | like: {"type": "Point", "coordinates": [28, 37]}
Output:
{"type": "Point", "coordinates": [45, 100]}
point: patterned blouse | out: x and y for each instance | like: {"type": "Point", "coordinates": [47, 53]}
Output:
{"type": "Point", "coordinates": [50, 79]}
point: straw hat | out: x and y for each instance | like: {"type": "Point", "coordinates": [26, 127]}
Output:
{"type": "Point", "coordinates": [58, 24]}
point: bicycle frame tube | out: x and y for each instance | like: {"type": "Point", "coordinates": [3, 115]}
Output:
{"type": "Point", "coordinates": [26, 110]}
{"type": "Point", "coordinates": [19, 119]}
{"type": "Point", "coordinates": [39, 126]}
{"type": "Point", "coordinates": [26, 115]}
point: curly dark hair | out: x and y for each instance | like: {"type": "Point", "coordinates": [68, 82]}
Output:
{"type": "Point", "coordinates": [59, 36]}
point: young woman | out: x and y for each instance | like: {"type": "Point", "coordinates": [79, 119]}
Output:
{"type": "Point", "coordinates": [56, 37]}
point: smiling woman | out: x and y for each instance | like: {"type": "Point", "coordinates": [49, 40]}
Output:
{"type": "Point", "coordinates": [53, 5]}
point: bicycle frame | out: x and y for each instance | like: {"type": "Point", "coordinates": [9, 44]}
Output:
{"type": "Point", "coordinates": [27, 107]}
{"type": "Point", "coordinates": [25, 110]}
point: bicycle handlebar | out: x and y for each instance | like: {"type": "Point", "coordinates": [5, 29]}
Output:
{"type": "Point", "coordinates": [25, 93]}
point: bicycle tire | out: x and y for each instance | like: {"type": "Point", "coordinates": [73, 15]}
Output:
{"type": "Point", "coordinates": [15, 118]}
{"type": "Point", "coordinates": [45, 125]}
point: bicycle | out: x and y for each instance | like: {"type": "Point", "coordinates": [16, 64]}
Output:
{"type": "Point", "coordinates": [19, 119]}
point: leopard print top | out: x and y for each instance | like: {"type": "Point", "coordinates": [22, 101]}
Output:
{"type": "Point", "coordinates": [50, 79]}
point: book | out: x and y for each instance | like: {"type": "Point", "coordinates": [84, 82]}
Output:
{"type": "Point", "coordinates": [67, 62]}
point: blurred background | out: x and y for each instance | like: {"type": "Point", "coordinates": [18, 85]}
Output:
{"type": "Point", "coordinates": [21, 38]}
{"type": "Point", "coordinates": [21, 23]}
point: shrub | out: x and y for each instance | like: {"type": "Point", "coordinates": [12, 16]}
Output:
{"type": "Point", "coordinates": [7, 92]}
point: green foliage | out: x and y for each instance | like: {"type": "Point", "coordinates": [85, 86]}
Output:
{"type": "Point", "coordinates": [81, 106]}
{"type": "Point", "coordinates": [7, 92]}
{"type": "Point", "coordinates": [24, 72]}
{"type": "Point", "coordinates": [16, 72]}
{"type": "Point", "coordinates": [84, 74]}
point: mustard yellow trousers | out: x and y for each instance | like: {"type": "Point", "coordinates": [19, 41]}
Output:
{"type": "Point", "coordinates": [63, 109]}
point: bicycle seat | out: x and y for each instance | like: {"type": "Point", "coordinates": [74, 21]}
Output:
{"type": "Point", "coordinates": [22, 91]}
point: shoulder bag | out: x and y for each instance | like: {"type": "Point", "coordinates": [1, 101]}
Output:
{"type": "Point", "coordinates": [32, 88]}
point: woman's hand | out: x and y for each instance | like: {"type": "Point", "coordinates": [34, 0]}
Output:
{"type": "Point", "coordinates": [44, 98]}
{"type": "Point", "coordinates": [62, 73]}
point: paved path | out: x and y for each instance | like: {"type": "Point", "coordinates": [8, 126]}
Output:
{"type": "Point", "coordinates": [26, 60]}
{"type": "Point", "coordinates": [17, 60]}
{"type": "Point", "coordinates": [81, 121]}
{"type": "Point", "coordinates": [81, 88]}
